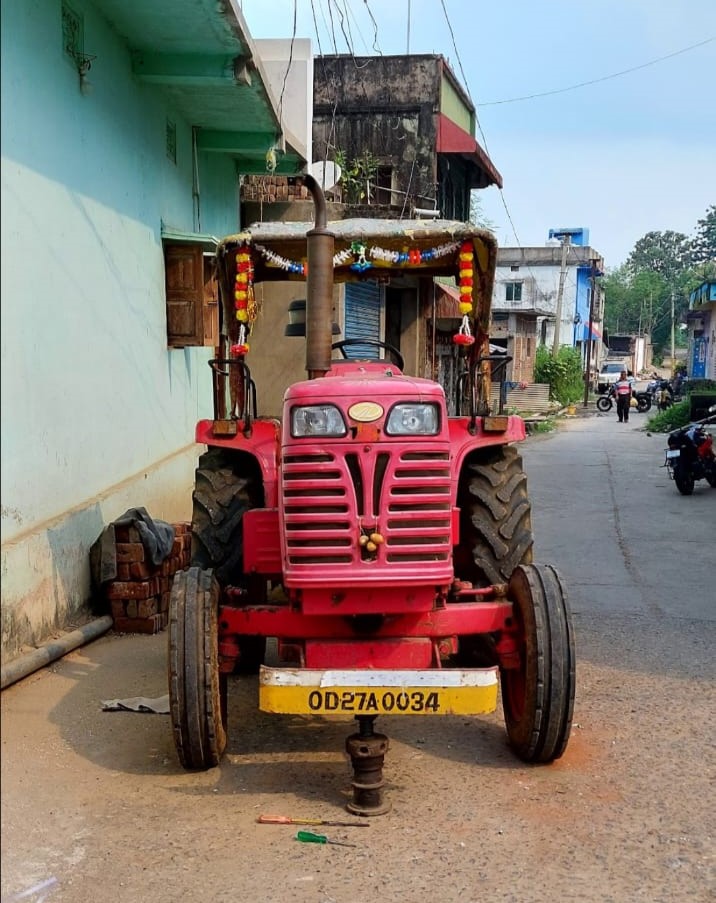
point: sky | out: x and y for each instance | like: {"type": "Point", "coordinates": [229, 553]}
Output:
{"type": "Point", "coordinates": [631, 153]}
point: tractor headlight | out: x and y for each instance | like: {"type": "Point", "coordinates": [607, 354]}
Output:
{"type": "Point", "coordinates": [413, 420]}
{"type": "Point", "coordinates": [317, 420]}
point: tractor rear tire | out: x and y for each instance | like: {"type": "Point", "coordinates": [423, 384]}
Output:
{"type": "Point", "coordinates": [495, 517]}
{"type": "Point", "coordinates": [221, 499]}
{"type": "Point", "coordinates": [197, 690]}
{"type": "Point", "coordinates": [538, 695]}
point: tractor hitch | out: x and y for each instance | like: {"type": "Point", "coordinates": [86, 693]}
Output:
{"type": "Point", "coordinates": [367, 751]}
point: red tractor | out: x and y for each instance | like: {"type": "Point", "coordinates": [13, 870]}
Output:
{"type": "Point", "coordinates": [384, 546]}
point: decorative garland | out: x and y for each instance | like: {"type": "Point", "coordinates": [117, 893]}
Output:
{"type": "Point", "coordinates": [275, 260]}
{"type": "Point", "coordinates": [465, 277]}
{"type": "Point", "coordinates": [244, 300]}
{"type": "Point", "coordinates": [356, 256]}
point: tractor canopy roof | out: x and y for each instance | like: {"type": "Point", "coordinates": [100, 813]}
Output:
{"type": "Point", "coordinates": [368, 249]}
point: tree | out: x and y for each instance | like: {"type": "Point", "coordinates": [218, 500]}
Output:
{"type": "Point", "coordinates": [357, 175]}
{"type": "Point", "coordinates": [477, 215]}
{"type": "Point", "coordinates": [703, 247]}
{"type": "Point", "coordinates": [666, 253]}
{"type": "Point", "coordinates": [563, 373]}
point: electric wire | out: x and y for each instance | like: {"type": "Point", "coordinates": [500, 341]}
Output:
{"type": "Point", "coordinates": [480, 129]}
{"type": "Point", "coordinates": [376, 46]}
{"type": "Point", "coordinates": [345, 24]}
{"type": "Point", "coordinates": [595, 81]}
{"type": "Point", "coordinates": [288, 67]}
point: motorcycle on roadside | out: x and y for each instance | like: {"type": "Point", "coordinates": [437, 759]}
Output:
{"type": "Point", "coordinates": [661, 393]}
{"type": "Point", "coordinates": [607, 401]}
{"type": "Point", "coordinates": [690, 455]}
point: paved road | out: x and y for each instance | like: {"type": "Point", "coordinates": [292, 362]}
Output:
{"type": "Point", "coordinates": [95, 807]}
{"type": "Point", "coordinates": [605, 511]}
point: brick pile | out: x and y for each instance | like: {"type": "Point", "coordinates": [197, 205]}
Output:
{"type": "Point", "coordinates": [271, 189]}
{"type": "Point", "coordinates": [139, 596]}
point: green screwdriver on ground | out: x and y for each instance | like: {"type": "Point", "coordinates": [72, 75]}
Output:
{"type": "Point", "coordinates": [310, 837]}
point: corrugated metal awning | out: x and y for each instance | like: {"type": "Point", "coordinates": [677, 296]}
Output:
{"type": "Point", "coordinates": [454, 140]}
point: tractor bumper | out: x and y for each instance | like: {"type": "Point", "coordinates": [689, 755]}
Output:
{"type": "Point", "coordinates": [381, 692]}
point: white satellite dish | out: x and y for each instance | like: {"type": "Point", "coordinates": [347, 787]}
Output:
{"type": "Point", "coordinates": [326, 174]}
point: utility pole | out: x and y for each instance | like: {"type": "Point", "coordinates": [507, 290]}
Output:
{"type": "Point", "coordinates": [673, 343]}
{"type": "Point", "coordinates": [560, 293]}
{"type": "Point", "coordinates": [588, 373]}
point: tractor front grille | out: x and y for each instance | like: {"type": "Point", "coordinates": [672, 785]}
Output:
{"type": "Point", "coordinates": [330, 497]}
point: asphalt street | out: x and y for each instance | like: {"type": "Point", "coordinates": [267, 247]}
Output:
{"type": "Point", "coordinates": [96, 808]}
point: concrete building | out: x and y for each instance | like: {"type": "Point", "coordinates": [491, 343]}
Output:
{"type": "Point", "coordinates": [542, 290]}
{"type": "Point", "coordinates": [125, 129]}
{"type": "Point", "coordinates": [403, 130]}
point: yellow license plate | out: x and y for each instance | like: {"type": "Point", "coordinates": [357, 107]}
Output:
{"type": "Point", "coordinates": [446, 691]}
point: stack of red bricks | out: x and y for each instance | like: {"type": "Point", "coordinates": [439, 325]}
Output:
{"type": "Point", "coordinates": [139, 597]}
{"type": "Point", "coordinates": [272, 189]}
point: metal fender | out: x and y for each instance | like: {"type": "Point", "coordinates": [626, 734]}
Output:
{"type": "Point", "coordinates": [262, 444]}
{"type": "Point", "coordinates": [462, 442]}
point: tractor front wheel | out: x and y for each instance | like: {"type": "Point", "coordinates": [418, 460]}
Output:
{"type": "Point", "coordinates": [197, 691]}
{"type": "Point", "coordinates": [538, 694]}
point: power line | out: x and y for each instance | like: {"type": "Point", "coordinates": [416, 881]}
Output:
{"type": "Point", "coordinates": [594, 81]}
{"type": "Point", "coordinates": [479, 127]}
{"type": "Point", "coordinates": [288, 67]}
{"type": "Point", "coordinates": [376, 46]}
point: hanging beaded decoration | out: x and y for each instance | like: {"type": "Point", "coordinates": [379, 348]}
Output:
{"type": "Point", "coordinates": [356, 256]}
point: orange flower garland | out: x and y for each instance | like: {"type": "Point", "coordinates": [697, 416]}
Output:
{"type": "Point", "coordinates": [244, 298]}
{"type": "Point", "coordinates": [465, 277]}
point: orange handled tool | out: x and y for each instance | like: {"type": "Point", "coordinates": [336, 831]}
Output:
{"type": "Point", "coordinates": [287, 820]}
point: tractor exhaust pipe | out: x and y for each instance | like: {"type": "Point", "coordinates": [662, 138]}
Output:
{"type": "Point", "coordinates": [319, 287]}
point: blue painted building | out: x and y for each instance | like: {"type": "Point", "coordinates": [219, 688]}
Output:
{"type": "Point", "coordinates": [701, 324]}
{"type": "Point", "coordinates": [526, 307]}
{"type": "Point", "coordinates": [126, 126]}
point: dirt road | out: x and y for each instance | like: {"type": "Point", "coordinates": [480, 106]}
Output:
{"type": "Point", "coordinates": [96, 808]}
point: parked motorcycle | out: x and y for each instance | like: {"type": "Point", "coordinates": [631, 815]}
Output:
{"type": "Point", "coordinates": [690, 456]}
{"type": "Point", "coordinates": [661, 393]}
{"type": "Point", "coordinates": [607, 401]}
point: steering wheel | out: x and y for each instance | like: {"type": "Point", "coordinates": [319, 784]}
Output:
{"type": "Point", "coordinates": [391, 349]}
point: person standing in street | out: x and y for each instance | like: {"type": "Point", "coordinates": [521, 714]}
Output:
{"type": "Point", "coordinates": [623, 390]}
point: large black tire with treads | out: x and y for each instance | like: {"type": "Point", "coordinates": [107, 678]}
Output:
{"type": "Point", "coordinates": [495, 517]}
{"type": "Point", "coordinates": [538, 694]}
{"type": "Point", "coordinates": [197, 691]}
{"type": "Point", "coordinates": [221, 499]}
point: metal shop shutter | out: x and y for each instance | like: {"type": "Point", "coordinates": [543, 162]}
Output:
{"type": "Point", "coordinates": [362, 317]}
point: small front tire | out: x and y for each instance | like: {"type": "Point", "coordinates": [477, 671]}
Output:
{"type": "Point", "coordinates": [538, 694]}
{"type": "Point", "coordinates": [604, 404]}
{"type": "Point", "coordinates": [197, 691]}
